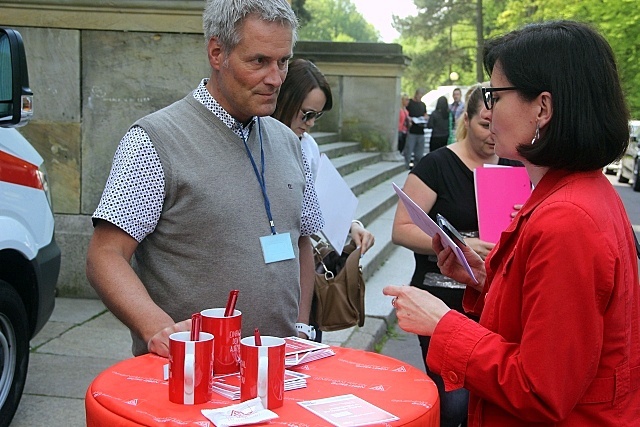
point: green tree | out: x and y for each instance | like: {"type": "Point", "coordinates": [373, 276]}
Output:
{"type": "Point", "coordinates": [336, 20]}
{"type": "Point", "coordinates": [618, 21]}
{"type": "Point", "coordinates": [301, 12]}
{"type": "Point", "coordinates": [442, 38]}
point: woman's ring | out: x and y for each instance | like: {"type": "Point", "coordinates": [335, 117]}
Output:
{"type": "Point", "coordinates": [393, 302]}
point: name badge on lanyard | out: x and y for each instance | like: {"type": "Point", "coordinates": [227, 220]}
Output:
{"type": "Point", "coordinates": [275, 247]}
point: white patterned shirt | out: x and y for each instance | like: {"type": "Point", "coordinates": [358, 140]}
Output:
{"type": "Point", "coordinates": [134, 193]}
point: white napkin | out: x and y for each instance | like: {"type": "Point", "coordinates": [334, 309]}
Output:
{"type": "Point", "coordinates": [249, 412]}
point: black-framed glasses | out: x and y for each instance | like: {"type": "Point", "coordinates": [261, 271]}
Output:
{"type": "Point", "coordinates": [310, 115]}
{"type": "Point", "coordinates": [488, 98]}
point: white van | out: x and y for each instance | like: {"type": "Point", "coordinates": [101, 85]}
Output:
{"type": "Point", "coordinates": [29, 255]}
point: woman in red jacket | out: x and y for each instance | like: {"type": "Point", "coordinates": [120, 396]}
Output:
{"type": "Point", "coordinates": [558, 342]}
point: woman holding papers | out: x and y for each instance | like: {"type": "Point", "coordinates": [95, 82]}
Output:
{"type": "Point", "coordinates": [558, 341]}
{"type": "Point", "coordinates": [304, 97]}
{"type": "Point", "coordinates": [442, 183]}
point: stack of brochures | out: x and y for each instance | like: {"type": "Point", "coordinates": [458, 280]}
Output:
{"type": "Point", "coordinates": [229, 385]}
{"type": "Point", "coordinates": [299, 351]}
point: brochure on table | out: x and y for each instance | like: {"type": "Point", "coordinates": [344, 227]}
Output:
{"type": "Point", "coordinates": [229, 385]}
{"type": "Point", "coordinates": [426, 224]}
{"type": "Point", "coordinates": [299, 351]}
{"type": "Point", "coordinates": [337, 203]}
{"type": "Point", "coordinates": [348, 411]}
{"type": "Point", "coordinates": [497, 190]}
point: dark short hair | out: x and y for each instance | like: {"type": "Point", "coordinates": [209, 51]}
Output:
{"type": "Point", "coordinates": [572, 61]}
{"type": "Point", "coordinates": [303, 76]}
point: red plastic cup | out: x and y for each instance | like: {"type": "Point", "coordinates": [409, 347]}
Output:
{"type": "Point", "coordinates": [262, 370]}
{"type": "Point", "coordinates": [190, 368]}
{"type": "Point", "coordinates": [227, 332]}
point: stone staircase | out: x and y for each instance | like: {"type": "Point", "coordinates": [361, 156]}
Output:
{"type": "Point", "coordinates": [370, 178]}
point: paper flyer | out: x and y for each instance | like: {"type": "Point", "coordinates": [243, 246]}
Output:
{"type": "Point", "coordinates": [348, 411]}
{"type": "Point", "coordinates": [337, 203]}
{"type": "Point", "coordinates": [426, 224]}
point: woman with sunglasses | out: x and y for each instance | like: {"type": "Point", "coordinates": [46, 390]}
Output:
{"type": "Point", "coordinates": [558, 341]}
{"type": "Point", "coordinates": [304, 97]}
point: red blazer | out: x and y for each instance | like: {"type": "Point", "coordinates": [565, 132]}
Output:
{"type": "Point", "coordinates": [558, 343]}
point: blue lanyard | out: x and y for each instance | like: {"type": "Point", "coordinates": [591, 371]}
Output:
{"type": "Point", "coordinates": [260, 175]}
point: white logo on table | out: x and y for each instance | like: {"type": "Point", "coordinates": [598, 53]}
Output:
{"type": "Point", "coordinates": [377, 388]}
{"type": "Point", "coordinates": [415, 402]}
{"type": "Point", "coordinates": [361, 365]}
{"type": "Point", "coordinates": [334, 381]}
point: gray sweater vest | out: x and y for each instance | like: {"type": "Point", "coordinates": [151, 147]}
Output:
{"type": "Point", "coordinates": [206, 242]}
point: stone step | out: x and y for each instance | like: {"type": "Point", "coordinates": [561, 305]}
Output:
{"type": "Point", "coordinates": [350, 163]}
{"type": "Point", "coordinates": [370, 176]}
{"type": "Point", "coordinates": [325, 137]}
{"type": "Point", "coordinates": [333, 150]}
{"type": "Point", "coordinates": [376, 209]}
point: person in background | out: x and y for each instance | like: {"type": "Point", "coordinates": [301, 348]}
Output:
{"type": "Point", "coordinates": [304, 97]}
{"type": "Point", "coordinates": [403, 122]}
{"type": "Point", "coordinates": [442, 183]}
{"type": "Point", "coordinates": [457, 106]}
{"type": "Point", "coordinates": [207, 195]}
{"type": "Point", "coordinates": [558, 341]}
{"type": "Point", "coordinates": [440, 124]}
{"type": "Point", "coordinates": [414, 147]}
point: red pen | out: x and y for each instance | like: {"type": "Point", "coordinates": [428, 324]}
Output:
{"type": "Point", "coordinates": [256, 337]}
{"type": "Point", "coordinates": [196, 324]}
{"type": "Point", "coordinates": [231, 303]}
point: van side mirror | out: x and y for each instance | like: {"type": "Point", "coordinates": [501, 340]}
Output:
{"type": "Point", "coordinates": [16, 98]}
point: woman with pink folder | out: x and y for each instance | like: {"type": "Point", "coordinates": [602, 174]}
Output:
{"type": "Point", "coordinates": [442, 183]}
{"type": "Point", "coordinates": [558, 341]}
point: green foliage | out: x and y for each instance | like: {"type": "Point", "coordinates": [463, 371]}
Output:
{"type": "Point", "coordinates": [442, 38]}
{"type": "Point", "coordinates": [336, 20]}
{"type": "Point", "coordinates": [439, 40]}
{"type": "Point", "coordinates": [617, 20]}
{"type": "Point", "coordinates": [300, 11]}
{"type": "Point", "coordinates": [353, 129]}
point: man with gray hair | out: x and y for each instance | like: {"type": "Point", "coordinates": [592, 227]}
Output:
{"type": "Point", "coordinates": [210, 194]}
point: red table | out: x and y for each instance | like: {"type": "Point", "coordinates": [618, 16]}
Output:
{"type": "Point", "coordinates": [133, 392]}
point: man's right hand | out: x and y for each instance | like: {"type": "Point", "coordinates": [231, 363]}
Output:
{"type": "Point", "coordinates": [159, 343]}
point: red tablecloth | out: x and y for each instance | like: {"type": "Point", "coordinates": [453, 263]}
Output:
{"type": "Point", "coordinates": [133, 392]}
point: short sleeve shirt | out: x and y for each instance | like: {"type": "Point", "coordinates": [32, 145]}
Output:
{"type": "Point", "coordinates": [134, 193]}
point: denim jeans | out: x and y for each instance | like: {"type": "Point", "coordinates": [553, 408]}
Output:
{"type": "Point", "coordinates": [414, 145]}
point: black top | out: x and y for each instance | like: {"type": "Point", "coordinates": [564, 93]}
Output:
{"type": "Point", "coordinates": [447, 175]}
{"type": "Point", "coordinates": [439, 123]}
{"type": "Point", "coordinates": [416, 109]}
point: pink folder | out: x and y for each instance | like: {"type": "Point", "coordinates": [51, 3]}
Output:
{"type": "Point", "coordinates": [497, 190]}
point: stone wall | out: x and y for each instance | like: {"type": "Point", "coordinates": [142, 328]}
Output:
{"type": "Point", "coordinates": [96, 66]}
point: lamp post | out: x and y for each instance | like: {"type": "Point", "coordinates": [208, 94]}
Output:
{"type": "Point", "coordinates": [453, 77]}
